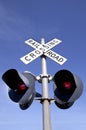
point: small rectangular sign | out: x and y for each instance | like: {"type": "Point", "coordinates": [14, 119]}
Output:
{"type": "Point", "coordinates": [31, 56]}
{"type": "Point", "coordinates": [56, 57]}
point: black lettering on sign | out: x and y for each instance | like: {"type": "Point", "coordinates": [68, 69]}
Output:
{"type": "Point", "coordinates": [33, 43]}
{"type": "Point", "coordinates": [27, 58]}
{"type": "Point", "coordinates": [45, 46]}
{"type": "Point", "coordinates": [37, 52]}
{"type": "Point", "coordinates": [36, 45]}
{"type": "Point", "coordinates": [61, 59]}
{"type": "Point", "coordinates": [55, 41]}
{"type": "Point", "coordinates": [50, 44]}
{"type": "Point", "coordinates": [50, 53]}
{"type": "Point", "coordinates": [32, 55]}
{"type": "Point", "coordinates": [55, 56]}
{"type": "Point", "coordinates": [30, 41]}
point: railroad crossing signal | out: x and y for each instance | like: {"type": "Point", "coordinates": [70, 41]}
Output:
{"type": "Point", "coordinates": [67, 86]}
{"type": "Point", "coordinates": [41, 49]}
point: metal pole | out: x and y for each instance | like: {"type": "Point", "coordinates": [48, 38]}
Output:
{"type": "Point", "coordinates": [45, 101]}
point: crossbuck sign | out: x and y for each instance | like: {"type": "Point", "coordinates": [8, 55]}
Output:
{"type": "Point", "coordinates": [43, 49]}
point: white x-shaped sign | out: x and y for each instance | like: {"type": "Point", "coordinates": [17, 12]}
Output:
{"type": "Point", "coordinates": [41, 49]}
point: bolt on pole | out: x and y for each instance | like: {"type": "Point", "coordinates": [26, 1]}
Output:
{"type": "Point", "coordinates": [45, 94]}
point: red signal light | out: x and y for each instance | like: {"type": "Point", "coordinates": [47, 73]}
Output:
{"type": "Point", "coordinates": [21, 88]}
{"type": "Point", "coordinates": [67, 85]}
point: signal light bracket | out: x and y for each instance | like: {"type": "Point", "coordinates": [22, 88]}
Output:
{"type": "Point", "coordinates": [40, 77]}
{"type": "Point", "coordinates": [41, 100]}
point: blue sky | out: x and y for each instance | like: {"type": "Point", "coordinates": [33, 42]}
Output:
{"type": "Point", "coordinates": [36, 19]}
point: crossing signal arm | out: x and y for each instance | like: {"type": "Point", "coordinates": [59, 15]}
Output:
{"type": "Point", "coordinates": [67, 88]}
{"type": "Point", "coordinates": [21, 87]}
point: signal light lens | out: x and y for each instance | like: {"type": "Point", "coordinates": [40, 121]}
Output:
{"type": "Point", "coordinates": [67, 85]}
{"type": "Point", "coordinates": [21, 89]}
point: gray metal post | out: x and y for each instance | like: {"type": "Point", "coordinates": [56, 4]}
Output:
{"type": "Point", "coordinates": [45, 102]}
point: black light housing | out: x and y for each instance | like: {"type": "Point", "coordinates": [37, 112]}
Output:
{"type": "Point", "coordinates": [67, 88]}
